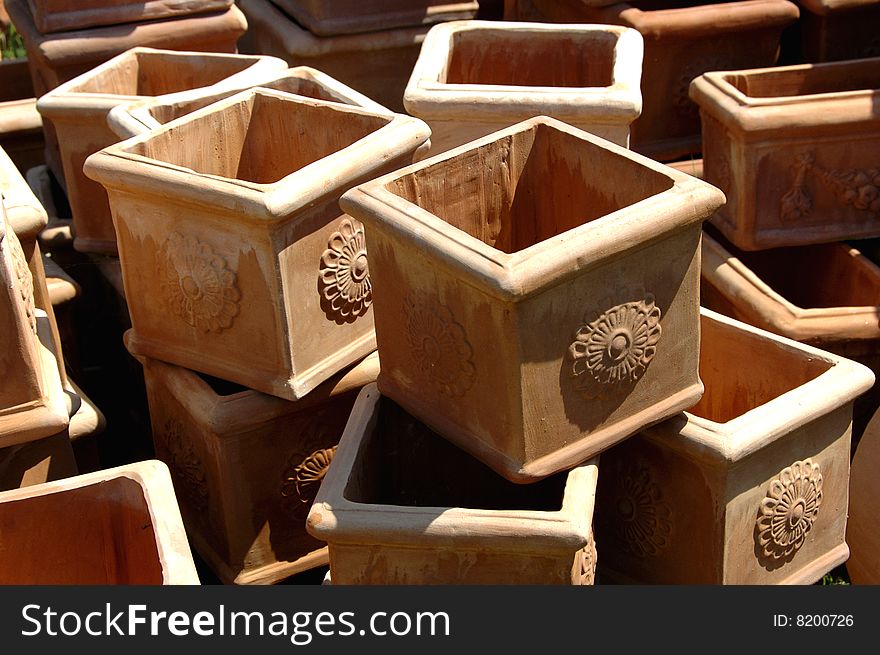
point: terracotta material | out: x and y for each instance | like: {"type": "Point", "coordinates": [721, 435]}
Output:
{"type": "Point", "coordinates": [683, 39]}
{"type": "Point", "coordinates": [533, 312]}
{"type": "Point", "coordinates": [58, 233]}
{"type": "Point", "coordinates": [37, 462]}
{"type": "Point", "coordinates": [692, 166]}
{"type": "Point", "coordinates": [400, 505]}
{"type": "Point", "coordinates": [863, 525]}
{"type": "Point", "coordinates": [750, 486]}
{"type": "Point", "coordinates": [522, 10]}
{"type": "Point", "coordinates": [839, 29]}
{"type": "Point", "coordinates": [117, 526]}
{"type": "Point", "coordinates": [262, 279]}
{"type": "Point", "coordinates": [378, 64]}
{"type": "Point", "coordinates": [23, 210]}
{"type": "Point", "coordinates": [476, 77]}
{"type": "Point", "coordinates": [129, 120]}
{"type": "Point", "coordinates": [78, 110]}
{"type": "Point", "coordinates": [62, 288]}
{"type": "Point", "coordinates": [65, 15]}
{"type": "Point", "coordinates": [21, 128]}
{"type": "Point", "coordinates": [87, 423]}
{"type": "Point", "coordinates": [247, 466]}
{"type": "Point", "coordinates": [796, 150]}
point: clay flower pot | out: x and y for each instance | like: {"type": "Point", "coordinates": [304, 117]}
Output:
{"type": "Point", "coordinates": [749, 486]}
{"type": "Point", "coordinates": [128, 120]}
{"type": "Point", "coordinates": [839, 29]}
{"type": "Point", "coordinates": [23, 210]}
{"type": "Point", "coordinates": [128, 511]}
{"type": "Point", "coordinates": [794, 147]}
{"type": "Point", "coordinates": [65, 15]}
{"type": "Point", "coordinates": [476, 77]}
{"type": "Point", "coordinates": [683, 39]}
{"type": "Point", "coordinates": [247, 466]}
{"type": "Point", "coordinates": [21, 128]}
{"type": "Point", "coordinates": [260, 278]}
{"type": "Point", "coordinates": [863, 523]}
{"type": "Point", "coordinates": [512, 317]}
{"type": "Point", "coordinates": [332, 17]}
{"type": "Point", "coordinates": [377, 64]}
{"type": "Point", "coordinates": [78, 110]}
{"type": "Point", "coordinates": [400, 505]}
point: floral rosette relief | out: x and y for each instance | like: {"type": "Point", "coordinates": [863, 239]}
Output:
{"type": "Point", "coordinates": [198, 284]}
{"type": "Point", "coordinates": [615, 348]}
{"type": "Point", "coordinates": [789, 510]}
{"type": "Point", "coordinates": [585, 564]}
{"type": "Point", "coordinates": [641, 518]}
{"type": "Point", "coordinates": [346, 289]}
{"type": "Point", "coordinates": [185, 466]}
{"type": "Point", "coordinates": [25, 279]}
{"type": "Point", "coordinates": [307, 466]}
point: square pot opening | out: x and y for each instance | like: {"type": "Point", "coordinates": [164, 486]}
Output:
{"type": "Point", "coordinates": [528, 187]}
{"type": "Point", "coordinates": [402, 462]}
{"type": "Point", "coordinates": [97, 534]}
{"type": "Point", "coordinates": [260, 139]}
{"type": "Point", "coordinates": [742, 371]}
{"type": "Point", "coordinates": [856, 76]}
{"type": "Point", "coordinates": [531, 58]}
{"type": "Point", "coordinates": [157, 73]}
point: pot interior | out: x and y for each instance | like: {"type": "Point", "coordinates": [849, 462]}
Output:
{"type": "Point", "coordinates": [742, 371]}
{"type": "Point", "coordinates": [155, 74]}
{"type": "Point", "coordinates": [829, 78]}
{"type": "Point", "coordinates": [531, 58]}
{"type": "Point", "coordinates": [260, 139]}
{"type": "Point", "coordinates": [403, 462]}
{"type": "Point", "coordinates": [98, 534]}
{"type": "Point", "coordinates": [528, 187]}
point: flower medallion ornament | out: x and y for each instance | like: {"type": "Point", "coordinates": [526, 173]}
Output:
{"type": "Point", "coordinates": [301, 481]}
{"type": "Point", "coordinates": [25, 279]}
{"type": "Point", "coordinates": [789, 510]}
{"type": "Point", "coordinates": [439, 346]}
{"type": "Point", "coordinates": [185, 466]}
{"type": "Point", "coordinates": [643, 521]}
{"type": "Point", "coordinates": [345, 275]}
{"type": "Point", "coordinates": [616, 347]}
{"type": "Point", "coordinates": [585, 564]}
{"type": "Point", "coordinates": [198, 285]}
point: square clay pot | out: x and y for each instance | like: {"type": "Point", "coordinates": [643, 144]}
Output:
{"type": "Point", "coordinates": [120, 526]}
{"type": "Point", "coordinates": [400, 505]}
{"type": "Point", "coordinates": [236, 259]}
{"type": "Point", "coordinates": [476, 77]}
{"type": "Point", "coordinates": [21, 128]}
{"type": "Point", "coordinates": [247, 466]}
{"type": "Point", "coordinates": [65, 15]}
{"type": "Point", "coordinates": [537, 293]}
{"type": "Point", "coordinates": [795, 148]}
{"type": "Point", "coordinates": [831, 30]}
{"type": "Point", "coordinates": [78, 111]}
{"type": "Point", "coordinates": [333, 17]}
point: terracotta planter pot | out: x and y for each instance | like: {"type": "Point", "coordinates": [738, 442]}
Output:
{"type": "Point", "coordinates": [129, 512]}
{"type": "Point", "coordinates": [333, 17]}
{"type": "Point", "coordinates": [839, 29]}
{"type": "Point", "coordinates": [129, 120]}
{"type": "Point", "coordinates": [523, 10]}
{"type": "Point", "coordinates": [749, 486]}
{"type": "Point", "coordinates": [378, 64]}
{"type": "Point", "coordinates": [400, 505]}
{"type": "Point", "coordinates": [475, 77]}
{"type": "Point", "coordinates": [863, 524]}
{"type": "Point", "coordinates": [78, 110]}
{"type": "Point", "coordinates": [247, 466]}
{"type": "Point", "coordinates": [21, 128]}
{"type": "Point", "coordinates": [65, 15]}
{"type": "Point", "coordinates": [515, 321]}
{"type": "Point", "coordinates": [683, 39]}
{"type": "Point", "coordinates": [57, 236]}
{"type": "Point", "coordinates": [795, 148]}
{"type": "Point", "coordinates": [262, 279]}
{"type": "Point", "coordinates": [23, 210]}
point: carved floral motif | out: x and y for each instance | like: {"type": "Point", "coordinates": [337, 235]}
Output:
{"type": "Point", "coordinates": [681, 97]}
{"type": "Point", "coordinates": [302, 479]}
{"type": "Point", "coordinates": [585, 563]}
{"type": "Point", "coordinates": [642, 520]}
{"type": "Point", "coordinates": [185, 466]}
{"type": "Point", "coordinates": [439, 346]}
{"type": "Point", "coordinates": [198, 284]}
{"type": "Point", "coordinates": [616, 347]}
{"type": "Point", "coordinates": [345, 274]}
{"type": "Point", "coordinates": [789, 509]}
{"type": "Point", "coordinates": [856, 187]}
{"type": "Point", "coordinates": [25, 279]}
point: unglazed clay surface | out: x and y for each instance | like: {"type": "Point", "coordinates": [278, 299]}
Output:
{"type": "Point", "coordinates": [65, 15]}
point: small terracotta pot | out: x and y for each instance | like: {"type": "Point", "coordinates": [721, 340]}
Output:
{"type": "Point", "coordinates": [400, 505]}
{"type": "Point", "coordinates": [863, 524]}
{"type": "Point", "coordinates": [839, 29]}
{"type": "Point", "coordinates": [749, 486]}
{"type": "Point", "coordinates": [262, 280]}
{"type": "Point", "coordinates": [475, 77]}
{"type": "Point", "coordinates": [795, 149]}
{"type": "Point", "coordinates": [528, 310]}
{"type": "Point", "coordinates": [65, 15]}
{"type": "Point", "coordinates": [117, 526]}
{"type": "Point", "coordinates": [21, 128]}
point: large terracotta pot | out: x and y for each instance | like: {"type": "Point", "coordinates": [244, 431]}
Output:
{"type": "Point", "coordinates": [400, 505]}
{"type": "Point", "coordinates": [260, 278]}
{"type": "Point", "coordinates": [378, 64]}
{"type": "Point", "coordinates": [117, 526]}
{"type": "Point", "coordinates": [796, 150]}
{"type": "Point", "coordinates": [749, 486]}
{"type": "Point", "coordinates": [21, 129]}
{"type": "Point", "coordinates": [863, 524]}
{"type": "Point", "coordinates": [78, 111]}
{"type": "Point", "coordinates": [683, 39]}
{"type": "Point", "coordinates": [247, 466]}
{"type": "Point", "coordinates": [65, 15]}
{"type": "Point", "coordinates": [839, 29]}
{"type": "Point", "coordinates": [476, 77]}
{"type": "Point", "coordinates": [530, 311]}
{"type": "Point", "coordinates": [332, 17]}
